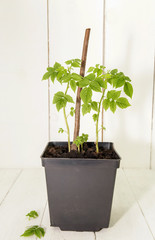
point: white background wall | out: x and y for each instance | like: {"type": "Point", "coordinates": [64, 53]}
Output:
{"type": "Point", "coordinates": [129, 46]}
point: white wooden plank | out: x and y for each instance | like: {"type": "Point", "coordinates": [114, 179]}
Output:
{"type": "Point", "coordinates": [152, 164]}
{"type": "Point", "coordinates": [130, 48]}
{"type": "Point", "coordinates": [55, 233]}
{"type": "Point", "coordinates": [28, 193]}
{"type": "Point", "coordinates": [143, 185]}
{"type": "Point", "coordinates": [127, 221]}
{"type": "Point", "coordinates": [7, 179]}
{"type": "Point", "coordinates": [23, 96]}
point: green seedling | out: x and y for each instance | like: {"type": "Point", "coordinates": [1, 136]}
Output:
{"type": "Point", "coordinates": [79, 141]}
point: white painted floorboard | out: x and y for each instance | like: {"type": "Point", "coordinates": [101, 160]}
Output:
{"type": "Point", "coordinates": [133, 211]}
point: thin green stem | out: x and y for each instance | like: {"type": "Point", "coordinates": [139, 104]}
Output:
{"type": "Point", "coordinates": [65, 117]}
{"type": "Point", "coordinates": [97, 131]}
{"type": "Point", "coordinates": [67, 126]}
{"type": "Point", "coordinates": [78, 148]}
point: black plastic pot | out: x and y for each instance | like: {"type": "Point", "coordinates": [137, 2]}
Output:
{"type": "Point", "coordinates": [80, 191]}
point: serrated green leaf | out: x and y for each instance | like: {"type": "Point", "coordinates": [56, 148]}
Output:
{"type": "Point", "coordinates": [90, 76]}
{"type": "Point", "coordinates": [28, 233]}
{"type": "Point", "coordinates": [61, 103]}
{"type": "Point", "coordinates": [113, 106]}
{"type": "Point", "coordinates": [90, 69]}
{"type": "Point", "coordinates": [95, 117]}
{"type": "Point", "coordinates": [68, 62]}
{"type": "Point", "coordinates": [94, 106]}
{"type": "Point", "coordinates": [128, 89]}
{"type": "Point", "coordinates": [34, 230]}
{"type": "Point", "coordinates": [69, 98]}
{"type": "Point", "coordinates": [53, 76]}
{"type": "Point", "coordinates": [46, 76]}
{"type": "Point", "coordinates": [57, 65]}
{"type": "Point", "coordinates": [95, 86]}
{"type": "Point", "coordinates": [86, 94]}
{"type": "Point", "coordinates": [113, 94]}
{"type": "Point", "coordinates": [66, 78]}
{"type": "Point", "coordinates": [86, 108]}
{"type": "Point", "coordinates": [32, 214]}
{"type": "Point", "coordinates": [119, 82]}
{"type": "Point", "coordinates": [114, 71]}
{"type": "Point", "coordinates": [83, 83]}
{"type": "Point", "coordinates": [75, 64]}
{"type": "Point", "coordinates": [122, 102]}
{"type": "Point", "coordinates": [73, 85]}
{"type": "Point", "coordinates": [102, 83]}
{"type": "Point", "coordinates": [99, 72]}
{"type": "Point", "coordinates": [58, 96]}
{"type": "Point", "coordinates": [106, 104]}
{"type": "Point", "coordinates": [50, 69]}
{"type": "Point", "coordinates": [76, 77]}
{"type": "Point", "coordinates": [38, 233]}
{"type": "Point", "coordinates": [127, 79]}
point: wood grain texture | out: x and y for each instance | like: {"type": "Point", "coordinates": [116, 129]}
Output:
{"type": "Point", "coordinates": [130, 49]}
{"type": "Point", "coordinates": [28, 193]}
{"type": "Point", "coordinates": [7, 179]}
{"type": "Point", "coordinates": [143, 186]}
{"type": "Point", "coordinates": [127, 221]}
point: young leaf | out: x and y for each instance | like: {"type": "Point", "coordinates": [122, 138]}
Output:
{"type": "Point", "coordinates": [95, 86]}
{"type": "Point", "coordinates": [73, 85]}
{"type": "Point", "coordinates": [76, 77]}
{"type": "Point", "coordinates": [34, 230]}
{"type": "Point", "coordinates": [113, 94]}
{"type": "Point", "coordinates": [46, 76]}
{"type": "Point", "coordinates": [90, 76]}
{"type": "Point", "coordinates": [60, 130]}
{"type": "Point", "coordinates": [83, 83]}
{"type": "Point", "coordinates": [75, 64]}
{"type": "Point", "coordinates": [69, 98]}
{"type": "Point", "coordinates": [32, 214]}
{"type": "Point", "coordinates": [86, 94]}
{"type": "Point", "coordinates": [102, 83]}
{"type": "Point", "coordinates": [94, 106]}
{"type": "Point", "coordinates": [106, 104]}
{"type": "Point", "coordinates": [68, 62]}
{"type": "Point", "coordinates": [86, 108]}
{"type": "Point", "coordinates": [122, 102]}
{"type": "Point", "coordinates": [95, 117]}
{"type": "Point", "coordinates": [53, 76]}
{"type": "Point", "coordinates": [114, 71]}
{"type": "Point", "coordinates": [113, 106]}
{"type": "Point", "coordinates": [61, 103]}
{"type": "Point", "coordinates": [120, 82]}
{"type": "Point", "coordinates": [50, 69]}
{"type": "Point", "coordinates": [90, 69]}
{"type": "Point", "coordinates": [57, 65]}
{"type": "Point", "coordinates": [128, 89]}
{"type": "Point", "coordinates": [58, 96]}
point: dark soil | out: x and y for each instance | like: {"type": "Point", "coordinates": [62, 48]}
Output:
{"type": "Point", "coordinates": [62, 152]}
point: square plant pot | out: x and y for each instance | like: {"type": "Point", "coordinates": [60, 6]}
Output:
{"type": "Point", "coordinates": [80, 191]}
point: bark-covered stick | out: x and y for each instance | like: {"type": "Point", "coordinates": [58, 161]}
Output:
{"type": "Point", "coordinates": [78, 99]}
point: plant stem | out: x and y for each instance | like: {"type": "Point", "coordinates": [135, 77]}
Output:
{"type": "Point", "coordinates": [79, 148]}
{"type": "Point", "coordinates": [67, 126]}
{"type": "Point", "coordinates": [97, 148]}
{"type": "Point", "coordinates": [68, 132]}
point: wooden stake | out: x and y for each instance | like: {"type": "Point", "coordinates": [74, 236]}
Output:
{"type": "Point", "coordinates": [78, 99]}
